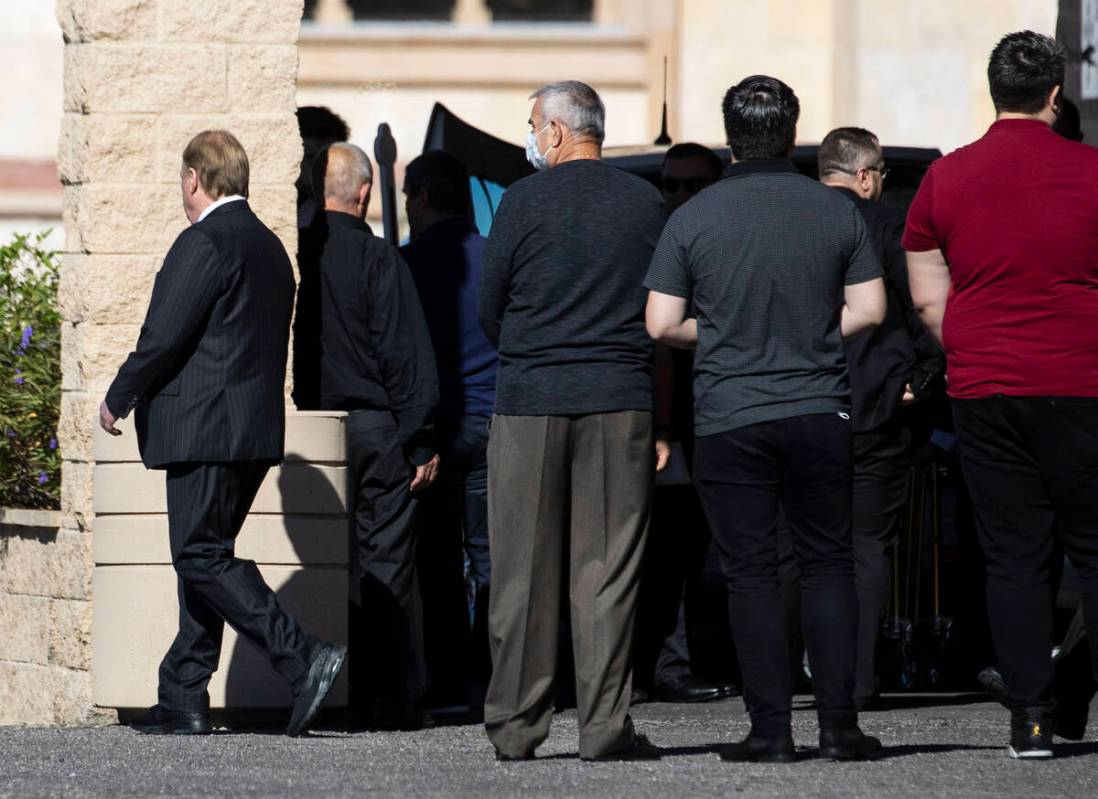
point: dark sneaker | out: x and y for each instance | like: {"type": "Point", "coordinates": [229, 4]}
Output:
{"type": "Point", "coordinates": [1031, 735]}
{"type": "Point", "coordinates": [159, 720]}
{"type": "Point", "coordinates": [756, 749]}
{"type": "Point", "coordinates": [992, 681]}
{"type": "Point", "coordinates": [640, 749]}
{"type": "Point", "coordinates": [848, 744]}
{"type": "Point", "coordinates": [322, 673]}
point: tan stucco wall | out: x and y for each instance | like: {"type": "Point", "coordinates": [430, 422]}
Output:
{"type": "Point", "coordinates": [913, 71]}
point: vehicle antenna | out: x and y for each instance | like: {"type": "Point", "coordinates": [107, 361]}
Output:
{"type": "Point", "coordinates": [663, 138]}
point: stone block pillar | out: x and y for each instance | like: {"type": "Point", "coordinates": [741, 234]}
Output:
{"type": "Point", "coordinates": [142, 77]}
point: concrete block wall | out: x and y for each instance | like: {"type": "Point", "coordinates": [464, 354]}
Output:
{"type": "Point", "coordinates": [142, 77]}
{"type": "Point", "coordinates": [296, 533]}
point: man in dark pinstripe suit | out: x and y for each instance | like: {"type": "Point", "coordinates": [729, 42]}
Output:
{"type": "Point", "coordinates": [206, 380]}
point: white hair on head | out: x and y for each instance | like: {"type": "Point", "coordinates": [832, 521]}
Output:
{"type": "Point", "coordinates": [348, 168]}
{"type": "Point", "coordinates": [575, 104]}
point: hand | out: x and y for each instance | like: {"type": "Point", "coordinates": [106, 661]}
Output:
{"type": "Point", "coordinates": [425, 475]}
{"type": "Point", "coordinates": [909, 396]}
{"type": "Point", "coordinates": [663, 453]}
{"type": "Point", "coordinates": [107, 419]}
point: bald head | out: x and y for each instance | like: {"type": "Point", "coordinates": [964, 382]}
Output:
{"type": "Point", "coordinates": [347, 179]}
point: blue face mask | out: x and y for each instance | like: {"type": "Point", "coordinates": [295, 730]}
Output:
{"type": "Point", "coordinates": [537, 160]}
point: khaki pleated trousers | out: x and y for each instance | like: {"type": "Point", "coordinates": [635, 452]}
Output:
{"type": "Point", "coordinates": [586, 480]}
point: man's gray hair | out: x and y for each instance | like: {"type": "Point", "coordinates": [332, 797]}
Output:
{"type": "Point", "coordinates": [575, 104]}
{"type": "Point", "coordinates": [348, 168]}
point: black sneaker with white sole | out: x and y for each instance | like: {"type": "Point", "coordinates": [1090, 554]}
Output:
{"type": "Point", "coordinates": [1031, 735]}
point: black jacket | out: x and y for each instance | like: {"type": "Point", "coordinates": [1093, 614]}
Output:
{"type": "Point", "coordinates": [207, 377]}
{"type": "Point", "coordinates": [883, 359]}
{"type": "Point", "coordinates": [376, 349]}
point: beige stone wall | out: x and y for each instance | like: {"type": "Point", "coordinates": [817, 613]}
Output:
{"type": "Point", "coordinates": [913, 71]}
{"type": "Point", "coordinates": [142, 77]}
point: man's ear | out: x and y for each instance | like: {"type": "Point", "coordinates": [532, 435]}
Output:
{"type": "Point", "coordinates": [192, 181]}
{"type": "Point", "coordinates": [1056, 99]}
{"type": "Point", "coordinates": [364, 194]}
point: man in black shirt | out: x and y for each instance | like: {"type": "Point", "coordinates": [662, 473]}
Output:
{"type": "Point", "coordinates": [377, 364]}
{"type": "Point", "coordinates": [446, 258]}
{"type": "Point", "coordinates": [679, 538]}
{"type": "Point", "coordinates": [571, 446]}
{"type": "Point", "coordinates": [892, 366]}
{"type": "Point", "coordinates": [777, 269]}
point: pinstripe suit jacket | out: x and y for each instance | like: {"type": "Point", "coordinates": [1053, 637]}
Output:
{"type": "Point", "coordinates": [207, 375]}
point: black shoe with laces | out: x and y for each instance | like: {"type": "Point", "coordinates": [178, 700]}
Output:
{"type": "Point", "coordinates": [1030, 734]}
{"type": "Point", "coordinates": [756, 749]}
{"type": "Point", "coordinates": [159, 720]}
{"type": "Point", "coordinates": [640, 749]}
{"type": "Point", "coordinates": [848, 744]}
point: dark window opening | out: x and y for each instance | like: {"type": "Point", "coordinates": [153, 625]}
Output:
{"type": "Point", "coordinates": [541, 10]}
{"type": "Point", "coordinates": [405, 10]}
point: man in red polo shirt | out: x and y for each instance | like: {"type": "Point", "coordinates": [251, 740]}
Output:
{"type": "Point", "coordinates": [1002, 242]}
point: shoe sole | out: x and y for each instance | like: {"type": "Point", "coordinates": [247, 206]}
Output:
{"type": "Point", "coordinates": [784, 758]}
{"type": "Point", "coordinates": [171, 730]}
{"type": "Point", "coordinates": [331, 671]}
{"type": "Point", "coordinates": [1029, 754]}
{"type": "Point", "coordinates": [846, 755]}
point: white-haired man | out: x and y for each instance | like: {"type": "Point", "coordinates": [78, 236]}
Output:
{"type": "Point", "coordinates": [571, 450]}
{"type": "Point", "coordinates": [378, 365]}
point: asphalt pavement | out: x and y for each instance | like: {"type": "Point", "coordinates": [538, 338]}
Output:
{"type": "Point", "coordinates": [952, 745]}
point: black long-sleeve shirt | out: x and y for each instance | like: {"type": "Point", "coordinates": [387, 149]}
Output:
{"type": "Point", "coordinates": [562, 296]}
{"type": "Point", "coordinates": [900, 350]}
{"type": "Point", "coordinates": [375, 346]}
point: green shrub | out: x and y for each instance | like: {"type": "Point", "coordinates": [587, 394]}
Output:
{"type": "Point", "coordinates": [30, 375]}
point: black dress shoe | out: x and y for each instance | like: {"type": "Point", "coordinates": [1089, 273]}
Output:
{"type": "Point", "coordinates": [158, 720]}
{"type": "Point", "coordinates": [687, 689]}
{"type": "Point", "coordinates": [501, 757]}
{"type": "Point", "coordinates": [729, 689]}
{"type": "Point", "coordinates": [848, 744]}
{"type": "Point", "coordinates": [322, 673]}
{"type": "Point", "coordinates": [756, 749]}
{"type": "Point", "coordinates": [640, 749]}
{"type": "Point", "coordinates": [1030, 734]}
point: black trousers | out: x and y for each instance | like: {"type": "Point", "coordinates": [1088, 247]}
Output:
{"type": "Point", "coordinates": [455, 570]}
{"type": "Point", "coordinates": [207, 504]}
{"type": "Point", "coordinates": [387, 667]}
{"type": "Point", "coordinates": [742, 475]}
{"type": "Point", "coordinates": [882, 462]}
{"type": "Point", "coordinates": [1031, 465]}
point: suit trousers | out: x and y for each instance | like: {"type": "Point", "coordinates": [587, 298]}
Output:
{"type": "Point", "coordinates": [742, 475]}
{"type": "Point", "coordinates": [1031, 466]}
{"type": "Point", "coordinates": [882, 463]}
{"type": "Point", "coordinates": [387, 667]}
{"type": "Point", "coordinates": [581, 484]}
{"type": "Point", "coordinates": [207, 505]}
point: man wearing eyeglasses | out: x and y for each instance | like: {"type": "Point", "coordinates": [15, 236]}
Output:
{"type": "Point", "coordinates": [687, 169]}
{"type": "Point", "coordinates": [892, 367]}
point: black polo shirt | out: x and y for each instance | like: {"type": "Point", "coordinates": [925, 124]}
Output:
{"type": "Point", "coordinates": [763, 256]}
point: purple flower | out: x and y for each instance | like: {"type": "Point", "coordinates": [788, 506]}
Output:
{"type": "Point", "coordinates": [9, 433]}
{"type": "Point", "coordinates": [53, 443]}
{"type": "Point", "coordinates": [18, 378]}
{"type": "Point", "coordinates": [27, 333]}
{"type": "Point", "coordinates": [42, 478]}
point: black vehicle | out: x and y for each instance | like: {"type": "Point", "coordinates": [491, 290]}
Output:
{"type": "Point", "coordinates": [495, 164]}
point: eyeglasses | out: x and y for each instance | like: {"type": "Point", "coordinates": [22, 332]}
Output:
{"type": "Point", "coordinates": [882, 169]}
{"type": "Point", "coordinates": [692, 185]}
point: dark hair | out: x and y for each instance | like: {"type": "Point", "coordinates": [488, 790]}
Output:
{"type": "Point", "coordinates": [760, 118]}
{"type": "Point", "coordinates": [846, 150]}
{"type": "Point", "coordinates": [319, 122]}
{"type": "Point", "coordinates": [1023, 69]}
{"type": "Point", "coordinates": [444, 177]}
{"type": "Point", "coordinates": [1067, 122]}
{"type": "Point", "coordinates": [689, 150]}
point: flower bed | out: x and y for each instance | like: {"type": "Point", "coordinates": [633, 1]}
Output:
{"type": "Point", "coordinates": [30, 375]}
